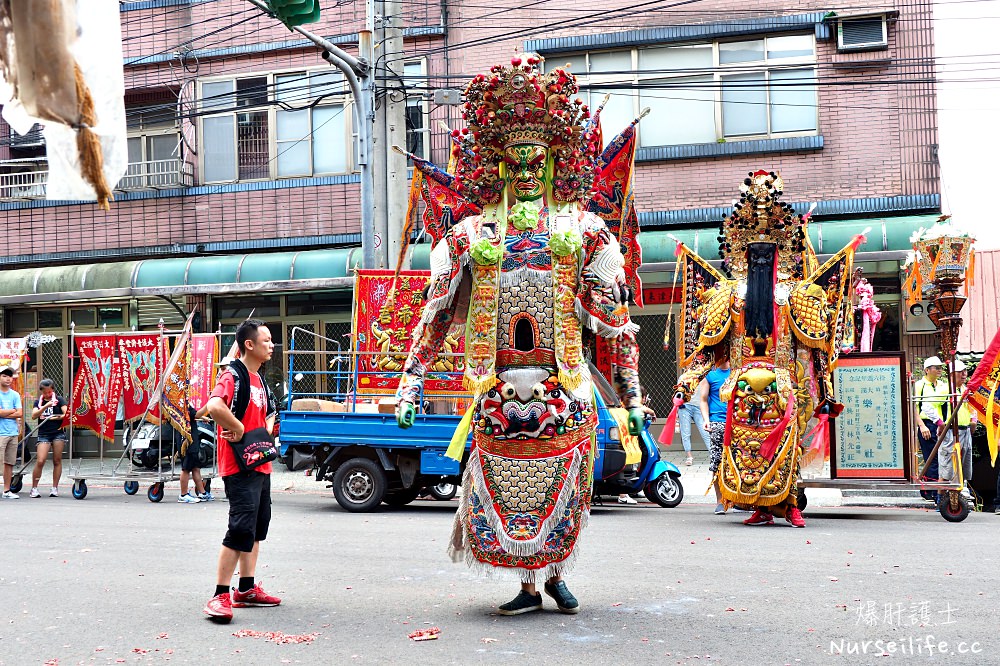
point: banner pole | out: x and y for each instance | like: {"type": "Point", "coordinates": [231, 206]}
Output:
{"type": "Point", "coordinates": [72, 385]}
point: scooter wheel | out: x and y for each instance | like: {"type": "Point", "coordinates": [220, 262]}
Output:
{"type": "Point", "coordinates": [16, 483]}
{"type": "Point", "coordinates": [666, 490]}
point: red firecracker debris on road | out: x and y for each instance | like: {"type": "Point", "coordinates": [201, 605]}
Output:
{"type": "Point", "coordinates": [425, 634]}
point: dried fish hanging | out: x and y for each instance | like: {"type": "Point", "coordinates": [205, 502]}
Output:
{"type": "Point", "coordinates": [61, 62]}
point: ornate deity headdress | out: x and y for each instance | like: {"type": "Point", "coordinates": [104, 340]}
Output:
{"type": "Point", "coordinates": [521, 105]}
{"type": "Point", "coordinates": [761, 217]}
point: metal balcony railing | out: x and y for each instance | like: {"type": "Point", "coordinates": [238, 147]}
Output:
{"type": "Point", "coordinates": [23, 185]}
{"type": "Point", "coordinates": [150, 175]}
{"type": "Point", "coordinates": [157, 175]}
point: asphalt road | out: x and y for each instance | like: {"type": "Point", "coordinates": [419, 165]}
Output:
{"type": "Point", "coordinates": [116, 579]}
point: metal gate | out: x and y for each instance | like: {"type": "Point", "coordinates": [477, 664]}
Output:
{"type": "Point", "coordinates": [52, 364]}
{"type": "Point", "coordinates": [303, 380]}
{"type": "Point", "coordinates": [657, 366]}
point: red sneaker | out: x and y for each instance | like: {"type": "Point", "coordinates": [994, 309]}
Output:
{"type": "Point", "coordinates": [794, 516]}
{"type": "Point", "coordinates": [220, 608]}
{"type": "Point", "coordinates": [759, 517]}
{"type": "Point", "coordinates": [254, 597]}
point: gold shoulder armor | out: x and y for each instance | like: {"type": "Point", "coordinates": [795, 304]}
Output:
{"type": "Point", "coordinates": [715, 314]}
{"type": "Point", "coordinates": [810, 319]}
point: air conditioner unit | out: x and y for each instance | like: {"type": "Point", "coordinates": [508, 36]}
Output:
{"type": "Point", "coordinates": [862, 33]}
{"type": "Point", "coordinates": [916, 319]}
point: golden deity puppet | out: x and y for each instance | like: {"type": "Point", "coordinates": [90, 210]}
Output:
{"type": "Point", "coordinates": [524, 277]}
{"type": "Point", "coordinates": [782, 320]}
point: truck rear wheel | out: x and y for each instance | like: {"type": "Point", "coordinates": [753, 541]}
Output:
{"type": "Point", "coordinates": [359, 485]}
{"type": "Point", "coordinates": [443, 491]}
{"type": "Point", "coordinates": [401, 497]}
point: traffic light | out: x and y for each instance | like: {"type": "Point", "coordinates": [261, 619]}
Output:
{"type": "Point", "coordinates": [295, 12]}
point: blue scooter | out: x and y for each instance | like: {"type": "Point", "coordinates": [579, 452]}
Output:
{"type": "Point", "coordinates": [657, 479]}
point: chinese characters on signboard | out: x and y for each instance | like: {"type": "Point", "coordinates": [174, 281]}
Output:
{"type": "Point", "coordinates": [870, 433]}
{"type": "Point", "coordinates": [383, 335]}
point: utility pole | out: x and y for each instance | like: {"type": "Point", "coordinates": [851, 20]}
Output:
{"type": "Point", "coordinates": [357, 72]}
{"type": "Point", "coordinates": [379, 166]}
{"type": "Point", "coordinates": [395, 126]}
{"type": "Point", "coordinates": [390, 130]}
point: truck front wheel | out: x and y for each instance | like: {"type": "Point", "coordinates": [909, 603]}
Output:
{"type": "Point", "coordinates": [359, 485]}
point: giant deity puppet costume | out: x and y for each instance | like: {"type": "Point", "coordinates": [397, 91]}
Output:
{"type": "Point", "coordinates": [782, 320]}
{"type": "Point", "coordinates": [524, 277]}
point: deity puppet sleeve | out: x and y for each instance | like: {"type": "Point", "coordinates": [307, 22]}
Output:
{"type": "Point", "coordinates": [443, 309]}
{"type": "Point", "coordinates": [602, 306]}
{"type": "Point", "coordinates": [688, 382]}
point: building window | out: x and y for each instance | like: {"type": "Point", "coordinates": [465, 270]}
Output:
{"type": "Point", "coordinates": [707, 92]}
{"type": "Point", "coordinates": [112, 316]}
{"type": "Point", "coordinates": [310, 140]}
{"type": "Point", "coordinates": [283, 125]}
{"type": "Point", "coordinates": [50, 318]}
{"type": "Point", "coordinates": [154, 149]}
{"type": "Point", "coordinates": [417, 128]}
{"type": "Point", "coordinates": [83, 317]}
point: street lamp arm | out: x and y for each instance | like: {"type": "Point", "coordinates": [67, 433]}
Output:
{"type": "Point", "coordinates": [359, 66]}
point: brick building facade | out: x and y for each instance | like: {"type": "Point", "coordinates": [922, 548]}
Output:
{"type": "Point", "coordinates": [241, 144]}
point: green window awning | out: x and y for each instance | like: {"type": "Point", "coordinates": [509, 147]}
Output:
{"type": "Point", "coordinates": [256, 273]}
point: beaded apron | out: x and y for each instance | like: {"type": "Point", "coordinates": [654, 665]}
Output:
{"type": "Point", "coordinates": [527, 484]}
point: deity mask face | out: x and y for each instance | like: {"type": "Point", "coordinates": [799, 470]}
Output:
{"type": "Point", "coordinates": [525, 165]}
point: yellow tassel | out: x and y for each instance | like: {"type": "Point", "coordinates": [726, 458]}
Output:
{"type": "Point", "coordinates": [633, 453]}
{"type": "Point", "coordinates": [970, 273]}
{"type": "Point", "coordinates": [457, 446]}
{"type": "Point", "coordinates": [479, 386]}
{"type": "Point", "coordinates": [992, 430]}
{"type": "Point", "coordinates": [571, 381]}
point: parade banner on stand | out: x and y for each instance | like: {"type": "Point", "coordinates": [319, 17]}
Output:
{"type": "Point", "coordinates": [204, 355]}
{"type": "Point", "coordinates": [175, 387]}
{"type": "Point", "coordinates": [97, 389]}
{"type": "Point", "coordinates": [141, 358]}
{"type": "Point", "coordinates": [984, 394]}
{"type": "Point", "coordinates": [12, 352]}
{"type": "Point", "coordinates": [383, 334]}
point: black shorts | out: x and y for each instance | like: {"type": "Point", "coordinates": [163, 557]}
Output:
{"type": "Point", "coordinates": [48, 438]}
{"type": "Point", "coordinates": [190, 462]}
{"type": "Point", "coordinates": [249, 495]}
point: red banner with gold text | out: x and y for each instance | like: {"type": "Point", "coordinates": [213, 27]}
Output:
{"type": "Point", "coordinates": [204, 355]}
{"type": "Point", "coordinates": [97, 389]}
{"type": "Point", "coordinates": [141, 358]}
{"type": "Point", "coordinates": [383, 335]}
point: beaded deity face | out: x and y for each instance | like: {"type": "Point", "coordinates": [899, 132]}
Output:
{"type": "Point", "coordinates": [525, 166]}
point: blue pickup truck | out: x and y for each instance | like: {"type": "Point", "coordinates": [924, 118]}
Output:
{"type": "Point", "coordinates": [369, 460]}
